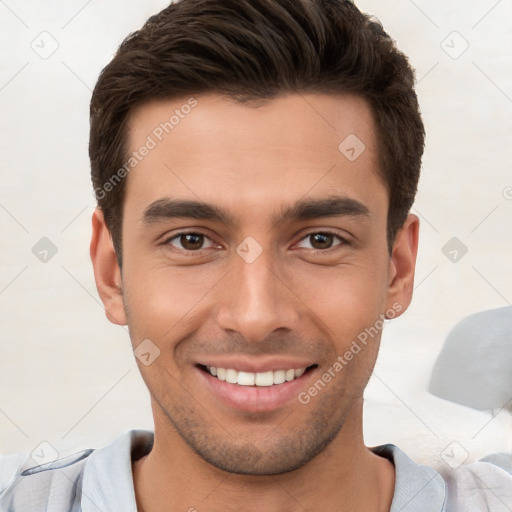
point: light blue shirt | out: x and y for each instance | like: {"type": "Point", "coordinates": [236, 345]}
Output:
{"type": "Point", "coordinates": [101, 480]}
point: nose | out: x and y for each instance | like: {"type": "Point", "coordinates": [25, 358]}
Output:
{"type": "Point", "coordinates": [256, 298]}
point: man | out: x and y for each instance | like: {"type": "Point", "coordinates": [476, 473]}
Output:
{"type": "Point", "coordinates": [254, 164]}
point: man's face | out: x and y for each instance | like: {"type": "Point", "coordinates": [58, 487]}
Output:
{"type": "Point", "coordinates": [256, 292]}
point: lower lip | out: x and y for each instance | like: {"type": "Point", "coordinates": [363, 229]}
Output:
{"type": "Point", "coordinates": [255, 398]}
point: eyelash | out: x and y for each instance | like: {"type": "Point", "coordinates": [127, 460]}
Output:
{"type": "Point", "coordinates": [344, 241]}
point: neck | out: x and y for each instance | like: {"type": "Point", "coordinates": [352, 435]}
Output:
{"type": "Point", "coordinates": [345, 476]}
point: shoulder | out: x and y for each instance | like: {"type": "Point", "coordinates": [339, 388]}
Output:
{"type": "Point", "coordinates": [69, 484]}
{"type": "Point", "coordinates": [482, 485]}
{"type": "Point", "coordinates": [478, 486]}
{"type": "Point", "coordinates": [28, 487]}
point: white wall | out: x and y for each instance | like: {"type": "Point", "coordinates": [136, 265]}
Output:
{"type": "Point", "coordinates": [68, 377]}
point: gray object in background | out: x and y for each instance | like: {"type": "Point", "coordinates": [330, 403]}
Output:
{"type": "Point", "coordinates": [474, 367]}
{"type": "Point", "coordinates": [503, 460]}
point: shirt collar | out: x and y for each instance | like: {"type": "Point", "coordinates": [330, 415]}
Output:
{"type": "Point", "coordinates": [108, 480]}
{"type": "Point", "coordinates": [418, 488]}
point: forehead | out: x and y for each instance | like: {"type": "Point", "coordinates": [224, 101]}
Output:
{"type": "Point", "coordinates": [213, 148]}
{"type": "Point", "coordinates": [289, 119]}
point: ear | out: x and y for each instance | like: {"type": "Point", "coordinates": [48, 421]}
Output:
{"type": "Point", "coordinates": [403, 264]}
{"type": "Point", "coordinates": [106, 270]}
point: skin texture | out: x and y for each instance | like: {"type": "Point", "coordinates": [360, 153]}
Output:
{"type": "Point", "coordinates": [292, 301]}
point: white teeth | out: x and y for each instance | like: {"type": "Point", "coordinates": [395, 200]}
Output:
{"type": "Point", "coordinates": [246, 379]}
{"type": "Point", "coordinates": [255, 379]}
{"type": "Point", "coordinates": [264, 379]}
{"type": "Point", "coordinates": [231, 376]}
{"type": "Point", "coordinates": [299, 372]}
{"type": "Point", "coordinates": [279, 377]}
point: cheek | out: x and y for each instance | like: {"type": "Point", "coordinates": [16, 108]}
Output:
{"type": "Point", "coordinates": [349, 306]}
{"type": "Point", "coordinates": [162, 300]}
{"type": "Point", "coordinates": [347, 298]}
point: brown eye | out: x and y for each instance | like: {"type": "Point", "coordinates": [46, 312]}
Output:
{"type": "Point", "coordinates": [187, 241]}
{"type": "Point", "coordinates": [191, 241]}
{"type": "Point", "coordinates": [323, 240]}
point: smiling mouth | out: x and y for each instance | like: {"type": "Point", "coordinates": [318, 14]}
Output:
{"type": "Point", "coordinates": [260, 379]}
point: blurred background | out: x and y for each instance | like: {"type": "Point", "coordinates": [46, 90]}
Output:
{"type": "Point", "coordinates": [68, 378]}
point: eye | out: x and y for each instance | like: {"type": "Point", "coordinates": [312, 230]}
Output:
{"type": "Point", "coordinates": [189, 241]}
{"type": "Point", "coordinates": [323, 240]}
{"type": "Point", "coordinates": [192, 241]}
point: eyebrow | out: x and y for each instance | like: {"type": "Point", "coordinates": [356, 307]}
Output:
{"type": "Point", "coordinates": [306, 209]}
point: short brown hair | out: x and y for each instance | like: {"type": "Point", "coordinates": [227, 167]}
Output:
{"type": "Point", "coordinates": [251, 49]}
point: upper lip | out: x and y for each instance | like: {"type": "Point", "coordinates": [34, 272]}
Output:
{"type": "Point", "coordinates": [256, 364]}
